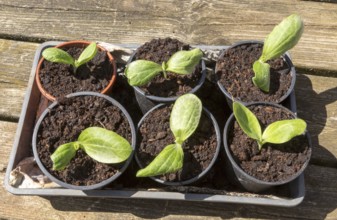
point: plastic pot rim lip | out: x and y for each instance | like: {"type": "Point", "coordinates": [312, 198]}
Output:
{"type": "Point", "coordinates": [286, 58]}
{"type": "Point", "coordinates": [170, 99]}
{"type": "Point", "coordinates": [68, 44]}
{"type": "Point", "coordinates": [231, 120]}
{"type": "Point", "coordinates": [204, 172]}
{"type": "Point", "coordinates": [104, 182]}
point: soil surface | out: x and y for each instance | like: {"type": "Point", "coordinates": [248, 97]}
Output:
{"type": "Point", "coordinates": [160, 50]}
{"type": "Point", "coordinates": [275, 162]}
{"type": "Point", "coordinates": [199, 149]}
{"type": "Point", "coordinates": [64, 124]}
{"type": "Point", "coordinates": [60, 79]}
{"type": "Point", "coordinates": [235, 73]}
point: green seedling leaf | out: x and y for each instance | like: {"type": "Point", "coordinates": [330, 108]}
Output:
{"type": "Point", "coordinates": [169, 160]}
{"type": "Point", "coordinates": [88, 54]}
{"type": "Point", "coordinates": [185, 116]}
{"type": "Point", "coordinates": [63, 155]}
{"type": "Point", "coordinates": [184, 62]}
{"type": "Point", "coordinates": [282, 131]}
{"type": "Point", "coordinates": [104, 146]}
{"type": "Point", "coordinates": [262, 75]}
{"type": "Point", "coordinates": [57, 55]}
{"type": "Point", "coordinates": [247, 121]}
{"type": "Point", "coordinates": [283, 37]}
{"type": "Point", "coordinates": [140, 72]}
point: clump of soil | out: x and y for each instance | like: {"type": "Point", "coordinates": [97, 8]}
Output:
{"type": "Point", "coordinates": [199, 149]}
{"type": "Point", "coordinates": [59, 79]}
{"type": "Point", "coordinates": [235, 73]}
{"type": "Point", "coordinates": [275, 162]}
{"type": "Point", "coordinates": [160, 50]}
{"type": "Point", "coordinates": [65, 122]}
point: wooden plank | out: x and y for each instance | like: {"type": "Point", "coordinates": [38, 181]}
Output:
{"type": "Point", "coordinates": [317, 105]}
{"type": "Point", "coordinates": [197, 22]}
{"type": "Point", "coordinates": [15, 66]}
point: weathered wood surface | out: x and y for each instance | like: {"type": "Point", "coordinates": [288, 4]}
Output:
{"type": "Point", "coordinates": [197, 22]}
{"type": "Point", "coordinates": [15, 66]}
{"type": "Point", "coordinates": [320, 201]}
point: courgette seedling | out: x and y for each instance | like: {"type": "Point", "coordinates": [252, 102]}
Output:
{"type": "Point", "coordinates": [276, 133]}
{"type": "Point", "coordinates": [184, 120]}
{"type": "Point", "coordinates": [140, 72]}
{"type": "Point", "coordinates": [57, 55]}
{"type": "Point", "coordinates": [283, 37]}
{"type": "Point", "coordinates": [100, 144]}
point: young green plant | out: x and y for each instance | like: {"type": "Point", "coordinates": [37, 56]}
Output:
{"type": "Point", "coordinates": [276, 133]}
{"type": "Point", "coordinates": [184, 120]}
{"type": "Point", "coordinates": [57, 55]}
{"type": "Point", "coordinates": [283, 37]}
{"type": "Point", "coordinates": [140, 72]}
{"type": "Point", "coordinates": [100, 144]}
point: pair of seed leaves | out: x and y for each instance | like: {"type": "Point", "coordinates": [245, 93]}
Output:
{"type": "Point", "coordinates": [276, 133]}
{"type": "Point", "coordinates": [140, 72]}
{"type": "Point", "coordinates": [108, 147]}
{"type": "Point", "coordinates": [57, 55]}
{"type": "Point", "coordinates": [283, 37]}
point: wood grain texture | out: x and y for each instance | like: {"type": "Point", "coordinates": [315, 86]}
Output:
{"type": "Point", "coordinates": [196, 22]}
{"type": "Point", "coordinates": [317, 104]}
{"type": "Point", "coordinates": [15, 66]}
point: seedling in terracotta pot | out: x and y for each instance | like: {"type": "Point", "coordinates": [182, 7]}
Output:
{"type": "Point", "coordinates": [184, 120]}
{"type": "Point", "coordinates": [100, 144]}
{"type": "Point", "coordinates": [57, 55]}
{"type": "Point", "coordinates": [283, 37]}
{"type": "Point", "coordinates": [276, 133]}
{"type": "Point", "coordinates": [140, 72]}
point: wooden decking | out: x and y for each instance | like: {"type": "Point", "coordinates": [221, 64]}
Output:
{"type": "Point", "coordinates": [26, 24]}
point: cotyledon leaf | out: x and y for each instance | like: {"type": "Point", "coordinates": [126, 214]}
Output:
{"type": "Point", "coordinates": [170, 159]}
{"type": "Point", "coordinates": [104, 145]}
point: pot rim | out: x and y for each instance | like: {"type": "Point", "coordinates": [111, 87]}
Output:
{"type": "Point", "coordinates": [100, 184]}
{"type": "Point", "coordinates": [286, 57]}
{"type": "Point", "coordinates": [106, 90]}
{"type": "Point", "coordinates": [200, 175]}
{"type": "Point", "coordinates": [230, 122]}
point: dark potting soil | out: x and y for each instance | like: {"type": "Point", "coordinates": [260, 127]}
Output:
{"type": "Point", "coordinates": [160, 50]}
{"type": "Point", "coordinates": [199, 149]}
{"type": "Point", "coordinates": [275, 162]}
{"type": "Point", "coordinates": [60, 79]}
{"type": "Point", "coordinates": [235, 73]}
{"type": "Point", "coordinates": [64, 124]}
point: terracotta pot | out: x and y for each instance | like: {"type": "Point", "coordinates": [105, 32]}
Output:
{"type": "Point", "coordinates": [72, 44]}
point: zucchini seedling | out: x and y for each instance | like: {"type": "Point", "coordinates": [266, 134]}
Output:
{"type": "Point", "coordinates": [276, 133]}
{"type": "Point", "coordinates": [140, 72]}
{"type": "Point", "coordinates": [57, 55]}
{"type": "Point", "coordinates": [100, 144]}
{"type": "Point", "coordinates": [283, 37]}
{"type": "Point", "coordinates": [184, 120]}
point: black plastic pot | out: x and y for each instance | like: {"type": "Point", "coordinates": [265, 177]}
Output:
{"type": "Point", "coordinates": [204, 172]}
{"type": "Point", "coordinates": [287, 59]}
{"type": "Point", "coordinates": [249, 182]}
{"type": "Point", "coordinates": [146, 102]}
{"type": "Point", "coordinates": [94, 186]}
